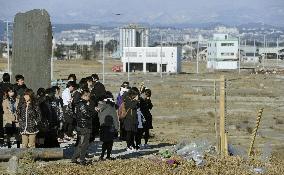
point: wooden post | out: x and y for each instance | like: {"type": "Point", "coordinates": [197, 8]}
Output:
{"type": "Point", "coordinates": [223, 137]}
{"type": "Point", "coordinates": [259, 115]}
{"type": "Point", "coordinates": [216, 119]}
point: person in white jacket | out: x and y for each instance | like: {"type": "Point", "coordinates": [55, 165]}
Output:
{"type": "Point", "coordinates": [67, 109]}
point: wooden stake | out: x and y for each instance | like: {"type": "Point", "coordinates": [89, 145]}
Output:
{"type": "Point", "coordinates": [223, 138]}
{"type": "Point", "coordinates": [216, 119]}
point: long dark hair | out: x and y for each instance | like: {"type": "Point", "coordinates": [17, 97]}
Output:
{"type": "Point", "coordinates": [32, 96]}
{"type": "Point", "coordinates": [9, 88]}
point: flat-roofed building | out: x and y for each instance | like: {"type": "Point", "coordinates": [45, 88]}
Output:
{"type": "Point", "coordinates": [150, 59]}
{"type": "Point", "coordinates": [222, 52]}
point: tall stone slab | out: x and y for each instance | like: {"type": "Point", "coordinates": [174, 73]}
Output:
{"type": "Point", "coordinates": [32, 44]}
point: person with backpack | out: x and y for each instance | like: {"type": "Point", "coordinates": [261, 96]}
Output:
{"type": "Point", "coordinates": [119, 100]}
{"type": "Point", "coordinates": [108, 124]}
{"type": "Point", "coordinates": [129, 116]}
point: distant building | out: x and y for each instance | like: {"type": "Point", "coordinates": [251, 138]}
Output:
{"type": "Point", "coordinates": [133, 36]}
{"type": "Point", "coordinates": [229, 30]}
{"type": "Point", "coordinates": [222, 52]}
{"type": "Point", "coordinates": [102, 37]}
{"type": "Point", "coordinates": [251, 58]}
{"type": "Point", "coordinates": [77, 42]}
{"type": "Point", "coordinates": [148, 59]}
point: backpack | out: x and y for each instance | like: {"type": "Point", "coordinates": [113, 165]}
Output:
{"type": "Point", "coordinates": [122, 111]}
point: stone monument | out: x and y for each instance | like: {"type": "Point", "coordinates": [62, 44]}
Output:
{"type": "Point", "coordinates": [32, 44]}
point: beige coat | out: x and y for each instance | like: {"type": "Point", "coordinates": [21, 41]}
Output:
{"type": "Point", "coordinates": [8, 116]}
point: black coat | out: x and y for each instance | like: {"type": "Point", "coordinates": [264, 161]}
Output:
{"type": "Point", "coordinates": [20, 89]}
{"type": "Point", "coordinates": [146, 107]}
{"type": "Point", "coordinates": [83, 115]}
{"type": "Point", "coordinates": [98, 91]}
{"type": "Point", "coordinates": [29, 124]}
{"type": "Point", "coordinates": [130, 122]}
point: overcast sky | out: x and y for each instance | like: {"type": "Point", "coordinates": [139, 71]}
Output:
{"type": "Point", "coordinates": [152, 11]}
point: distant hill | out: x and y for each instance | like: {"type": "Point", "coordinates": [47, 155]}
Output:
{"type": "Point", "coordinates": [63, 27]}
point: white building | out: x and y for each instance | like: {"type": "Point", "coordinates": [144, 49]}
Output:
{"type": "Point", "coordinates": [148, 59]}
{"type": "Point", "coordinates": [102, 37]}
{"type": "Point", "coordinates": [133, 36]}
{"type": "Point", "coordinates": [222, 52]}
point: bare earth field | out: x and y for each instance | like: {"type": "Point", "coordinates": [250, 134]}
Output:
{"type": "Point", "coordinates": [185, 108]}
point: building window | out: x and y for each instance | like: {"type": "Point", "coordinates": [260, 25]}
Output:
{"type": "Point", "coordinates": [227, 54]}
{"type": "Point", "coordinates": [227, 44]}
{"type": "Point", "coordinates": [151, 54]}
{"type": "Point", "coordinates": [131, 54]}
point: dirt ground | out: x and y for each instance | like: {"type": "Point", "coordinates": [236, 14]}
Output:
{"type": "Point", "coordinates": [185, 108]}
{"type": "Point", "coordinates": [184, 104]}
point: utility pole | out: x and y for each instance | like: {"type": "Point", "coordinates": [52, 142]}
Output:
{"type": "Point", "coordinates": [197, 57]}
{"type": "Point", "coordinates": [277, 51]}
{"type": "Point", "coordinates": [51, 60]}
{"type": "Point", "coordinates": [254, 50]}
{"type": "Point", "coordinates": [128, 64]}
{"type": "Point", "coordinates": [8, 46]}
{"type": "Point", "coordinates": [103, 57]}
{"type": "Point", "coordinates": [264, 54]}
{"type": "Point", "coordinates": [239, 54]}
{"type": "Point", "coordinates": [161, 65]}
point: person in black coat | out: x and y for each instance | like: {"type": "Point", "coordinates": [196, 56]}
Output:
{"type": "Point", "coordinates": [130, 121]}
{"type": "Point", "coordinates": [52, 120]}
{"type": "Point", "coordinates": [59, 105]}
{"type": "Point", "coordinates": [146, 107]}
{"type": "Point", "coordinates": [4, 85]}
{"type": "Point", "coordinates": [20, 86]}
{"type": "Point", "coordinates": [97, 94]}
{"type": "Point", "coordinates": [45, 111]}
{"type": "Point", "coordinates": [84, 128]}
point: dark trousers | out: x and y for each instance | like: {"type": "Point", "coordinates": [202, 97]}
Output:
{"type": "Point", "coordinates": [139, 136]}
{"type": "Point", "coordinates": [69, 122]}
{"type": "Point", "coordinates": [1, 127]}
{"type": "Point", "coordinates": [83, 144]}
{"type": "Point", "coordinates": [107, 146]}
{"type": "Point", "coordinates": [122, 132]}
{"type": "Point", "coordinates": [60, 131]}
{"type": "Point", "coordinates": [69, 128]}
{"type": "Point", "coordinates": [95, 127]}
{"type": "Point", "coordinates": [130, 136]}
{"type": "Point", "coordinates": [146, 135]}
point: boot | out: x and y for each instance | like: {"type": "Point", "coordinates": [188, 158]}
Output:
{"type": "Point", "coordinates": [18, 144]}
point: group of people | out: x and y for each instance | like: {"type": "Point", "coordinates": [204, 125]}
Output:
{"type": "Point", "coordinates": [83, 111]}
